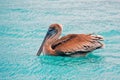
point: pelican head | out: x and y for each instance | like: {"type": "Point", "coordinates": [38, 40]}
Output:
{"type": "Point", "coordinates": [54, 29]}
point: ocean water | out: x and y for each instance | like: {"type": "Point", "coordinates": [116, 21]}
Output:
{"type": "Point", "coordinates": [23, 25]}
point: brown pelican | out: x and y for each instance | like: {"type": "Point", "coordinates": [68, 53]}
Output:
{"type": "Point", "coordinates": [69, 45]}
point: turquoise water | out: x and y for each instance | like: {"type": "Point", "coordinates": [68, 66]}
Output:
{"type": "Point", "coordinates": [23, 25]}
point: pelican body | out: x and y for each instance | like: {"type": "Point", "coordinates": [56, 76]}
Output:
{"type": "Point", "coordinates": [69, 45]}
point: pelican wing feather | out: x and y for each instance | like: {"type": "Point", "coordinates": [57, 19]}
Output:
{"type": "Point", "coordinates": [77, 42]}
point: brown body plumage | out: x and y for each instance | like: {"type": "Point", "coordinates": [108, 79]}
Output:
{"type": "Point", "coordinates": [69, 45]}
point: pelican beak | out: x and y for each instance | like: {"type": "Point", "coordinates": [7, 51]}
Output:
{"type": "Point", "coordinates": [50, 33]}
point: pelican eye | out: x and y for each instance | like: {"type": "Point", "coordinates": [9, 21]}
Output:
{"type": "Point", "coordinates": [52, 31]}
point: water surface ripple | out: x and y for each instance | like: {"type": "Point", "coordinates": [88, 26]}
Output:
{"type": "Point", "coordinates": [24, 23]}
